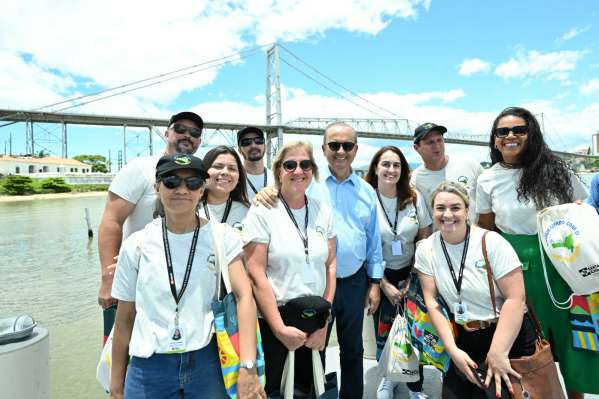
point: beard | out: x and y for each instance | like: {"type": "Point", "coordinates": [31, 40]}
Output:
{"type": "Point", "coordinates": [183, 146]}
{"type": "Point", "coordinates": [255, 156]}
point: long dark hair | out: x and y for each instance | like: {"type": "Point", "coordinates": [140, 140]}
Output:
{"type": "Point", "coordinates": [405, 193]}
{"type": "Point", "coordinates": [239, 193]}
{"type": "Point", "coordinates": [545, 177]}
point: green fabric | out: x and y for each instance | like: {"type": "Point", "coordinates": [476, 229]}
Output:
{"type": "Point", "coordinates": [580, 369]}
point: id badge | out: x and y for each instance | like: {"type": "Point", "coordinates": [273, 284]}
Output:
{"type": "Point", "coordinates": [309, 274]}
{"type": "Point", "coordinates": [176, 339]}
{"type": "Point", "coordinates": [396, 248]}
{"type": "Point", "coordinates": [460, 312]}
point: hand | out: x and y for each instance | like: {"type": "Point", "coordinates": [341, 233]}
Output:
{"type": "Point", "coordinates": [373, 298]}
{"type": "Point", "coordinates": [248, 385]}
{"type": "Point", "coordinates": [116, 392]}
{"type": "Point", "coordinates": [466, 365]}
{"type": "Point", "coordinates": [394, 294]}
{"type": "Point", "coordinates": [267, 197]}
{"type": "Point", "coordinates": [499, 368]}
{"type": "Point", "coordinates": [291, 337]}
{"type": "Point", "coordinates": [317, 339]}
{"type": "Point", "coordinates": [105, 300]}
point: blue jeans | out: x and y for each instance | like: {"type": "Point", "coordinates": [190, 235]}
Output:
{"type": "Point", "coordinates": [348, 311]}
{"type": "Point", "coordinates": [194, 374]}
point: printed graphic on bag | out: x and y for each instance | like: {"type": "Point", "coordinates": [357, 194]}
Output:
{"type": "Point", "coordinates": [562, 236]}
{"type": "Point", "coordinates": [584, 318]}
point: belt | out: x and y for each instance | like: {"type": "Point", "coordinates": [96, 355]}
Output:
{"type": "Point", "coordinates": [475, 325]}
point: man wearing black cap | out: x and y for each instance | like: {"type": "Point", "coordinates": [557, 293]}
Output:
{"type": "Point", "coordinates": [438, 167]}
{"type": "Point", "coordinates": [251, 142]}
{"type": "Point", "coordinates": [131, 198]}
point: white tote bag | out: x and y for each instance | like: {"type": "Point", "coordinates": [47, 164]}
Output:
{"type": "Point", "coordinates": [105, 364]}
{"type": "Point", "coordinates": [569, 234]}
{"type": "Point", "coordinates": [399, 359]}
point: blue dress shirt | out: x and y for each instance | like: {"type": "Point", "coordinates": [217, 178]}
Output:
{"type": "Point", "coordinates": [593, 198]}
{"type": "Point", "coordinates": [353, 203]}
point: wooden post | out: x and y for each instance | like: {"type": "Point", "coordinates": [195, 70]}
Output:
{"type": "Point", "coordinates": [90, 233]}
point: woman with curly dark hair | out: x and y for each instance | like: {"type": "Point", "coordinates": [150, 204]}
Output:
{"type": "Point", "coordinates": [403, 219]}
{"type": "Point", "coordinates": [524, 178]}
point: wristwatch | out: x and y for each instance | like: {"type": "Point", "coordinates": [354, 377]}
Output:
{"type": "Point", "coordinates": [247, 364]}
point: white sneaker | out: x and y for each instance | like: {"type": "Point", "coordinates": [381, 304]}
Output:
{"type": "Point", "coordinates": [386, 389]}
{"type": "Point", "coordinates": [418, 395]}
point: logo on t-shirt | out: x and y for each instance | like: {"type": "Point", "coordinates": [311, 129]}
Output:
{"type": "Point", "coordinates": [210, 261]}
{"type": "Point", "coordinates": [238, 226]}
{"type": "Point", "coordinates": [413, 217]}
{"type": "Point", "coordinates": [321, 232]}
{"type": "Point", "coordinates": [463, 180]}
{"type": "Point", "coordinates": [480, 264]}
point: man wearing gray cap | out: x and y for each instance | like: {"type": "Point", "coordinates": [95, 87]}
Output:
{"type": "Point", "coordinates": [252, 146]}
{"type": "Point", "coordinates": [131, 199]}
{"type": "Point", "coordinates": [438, 167]}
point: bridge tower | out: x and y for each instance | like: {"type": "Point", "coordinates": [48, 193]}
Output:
{"type": "Point", "coordinates": [274, 113]}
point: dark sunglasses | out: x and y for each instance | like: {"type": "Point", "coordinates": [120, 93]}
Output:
{"type": "Point", "coordinates": [347, 146]}
{"type": "Point", "coordinates": [182, 129]}
{"type": "Point", "coordinates": [291, 165]}
{"type": "Point", "coordinates": [505, 131]}
{"type": "Point", "coordinates": [192, 182]}
{"type": "Point", "coordinates": [249, 140]}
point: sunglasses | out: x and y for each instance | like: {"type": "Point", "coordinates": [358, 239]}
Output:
{"type": "Point", "coordinates": [291, 165]}
{"type": "Point", "coordinates": [347, 146]}
{"type": "Point", "coordinates": [182, 129]}
{"type": "Point", "coordinates": [249, 140]}
{"type": "Point", "coordinates": [192, 182]}
{"type": "Point", "coordinates": [505, 131]}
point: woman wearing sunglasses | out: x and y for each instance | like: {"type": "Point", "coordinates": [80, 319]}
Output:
{"type": "Point", "coordinates": [225, 198]}
{"type": "Point", "coordinates": [526, 177]}
{"type": "Point", "coordinates": [290, 253]}
{"type": "Point", "coordinates": [165, 284]}
{"type": "Point", "coordinates": [403, 220]}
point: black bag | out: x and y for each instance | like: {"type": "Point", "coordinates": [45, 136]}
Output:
{"type": "Point", "coordinates": [306, 313]}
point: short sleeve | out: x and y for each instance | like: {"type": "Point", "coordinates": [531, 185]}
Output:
{"type": "Point", "coordinates": [255, 227]}
{"type": "Point", "coordinates": [331, 233]}
{"type": "Point", "coordinates": [233, 243]}
{"type": "Point", "coordinates": [126, 183]}
{"type": "Point", "coordinates": [579, 190]}
{"type": "Point", "coordinates": [424, 219]}
{"type": "Point", "coordinates": [502, 256]}
{"type": "Point", "coordinates": [125, 279]}
{"type": "Point", "coordinates": [483, 198]}
{"type": "Point", "coordinates": [422, 259]}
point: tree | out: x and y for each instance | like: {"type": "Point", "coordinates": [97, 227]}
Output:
{"type": "Point", "coordinates": [56, 185]}
{"type": "Point", "coordinates": [97, 162]}
{"type": "Point", "coordinates": [18, 185]}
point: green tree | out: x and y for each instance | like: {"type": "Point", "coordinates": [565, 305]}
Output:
{"type": "Point", "coordinates": [55, 185]}
{"type": "Point", "coordinates": [18, 185]}
{"type": "Point", "coordinates": [97, 162]}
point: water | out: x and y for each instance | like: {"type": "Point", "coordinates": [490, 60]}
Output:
{"type": "Point", "coordinates": [50, 270]}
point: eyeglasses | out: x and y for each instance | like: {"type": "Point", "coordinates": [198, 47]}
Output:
{"type": "Point", "coordinates": [291, 165]}
{"type": "Point", "coordinates": [249, 140]}
{"type": "Point", "coordinates": [192, 182]}
{"type": "Point", "coordinates": [182, 129]}
{"type": "Point", "coordinates": [502, 132]}
{"type": "Point", "coordinates": [335, 145]}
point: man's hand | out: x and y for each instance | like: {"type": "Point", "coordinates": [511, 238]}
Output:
{"type": "Point", "coordinates": [317, 339]}
{"type": "Point", "coordinates": [105, 300]}
{"type": "Point", "coordinates": [267, 197]}
{"type": "Point", "coordinates": [373, 298]}
{"type": "Point", "coordinates": [291, 337]}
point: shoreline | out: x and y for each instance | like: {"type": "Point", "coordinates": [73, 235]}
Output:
{"type": "Point", "coordinates": [34, 197]}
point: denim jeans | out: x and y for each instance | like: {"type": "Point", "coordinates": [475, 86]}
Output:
{"type": "Point", "coordinates": [348, 311]}
{"type": "Point", "coordinates": [194, 374]}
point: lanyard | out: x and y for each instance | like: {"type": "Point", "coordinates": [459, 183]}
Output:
{"type": "Point", "coordinates": [225, 215]}
{"type": "Point", "coordinates": [457, 281]}
{"type": "Point", "coordinates": [394, 225]}
{"type": "Point", "coordinates": [169, 266]}
{"type": "Point", "coordinates": [299, 231]}
{"type": "Point", "coordinates": [253, 187]}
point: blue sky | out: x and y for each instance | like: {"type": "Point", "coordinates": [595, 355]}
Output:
{"type": "Point", "coordinates": [456, 63]}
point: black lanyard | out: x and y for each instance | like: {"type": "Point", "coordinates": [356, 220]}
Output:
{"type": "Point", "coordinates": [299, 231]}
{"type": "Point", "coordinates": [225, 215]}
{"type": "Point", "coordinates": [169, 266]}
{"type": "Point", "coordinates": [253, 187]}
{"type": "Point", "coordinates": [457, 281]}
{"type": "Point", "coordinates": [394, 225]}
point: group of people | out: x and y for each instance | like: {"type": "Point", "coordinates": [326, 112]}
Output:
{"type": "Point", "coordinates": [297, 231]}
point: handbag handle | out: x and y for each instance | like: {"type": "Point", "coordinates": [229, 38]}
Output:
{"type": "Point", "coordinates": [288, 377]}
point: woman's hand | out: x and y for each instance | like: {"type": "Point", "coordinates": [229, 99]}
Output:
{"type": "Point", "coordinates": [499, 368]}
{"type": "Point", "coordinates": [116, 393]}
{"type": "Point", "coordinates": [248, 385]}
{"type": "Point", "coordinates": [466, 365]}
{"type": "Point", "coordinates": [394, 294]}
{"type": "Point", "coordinates": [291, 337]}
{"type": "Point", "coordinates": [317, 339]}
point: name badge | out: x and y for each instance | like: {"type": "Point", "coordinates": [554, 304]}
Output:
{"type": "Point", "coordinates": [460, 312]}
{"type": "Point", "coordinates": [396, 248]}
{"type": "Point", "coordinates": [176, 339]}
{"type": "Point", "coordinates": [309, 274]}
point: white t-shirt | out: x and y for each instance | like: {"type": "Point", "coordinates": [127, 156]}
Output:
{"type": "Point", "coordinates": [430, 260]}
{"type": "Point", "coordinates": [135, 183]}
{"type": "Point", "coordinates": [258, 182]}
{"type": "Point", "coordinates": [496, 192]}
{"type": "Point", "coordinates": [409, 221]}
{"type": "Point", "coordinates": [286, 270]}
{"type": "Point", "coordinates": [146, 284]}
{"type": "Point", "coordinates": [462, 170]}
{"type": "Point", "coordinates": [236, 213]}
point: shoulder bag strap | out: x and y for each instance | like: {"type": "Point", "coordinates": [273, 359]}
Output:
{"type": "Point", "coordinates": [222, 266]}
{"type": "Point", "coordinates": [489, 273]}
{"type": "Point", "coordinates": [318, 373]}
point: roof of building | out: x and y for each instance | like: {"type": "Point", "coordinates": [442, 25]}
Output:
{"type": "Point", "coordinates": [44, 160]}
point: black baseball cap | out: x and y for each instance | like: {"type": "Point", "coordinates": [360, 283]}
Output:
{"type": "Point", "coordinates": [425, 129]}
{"type": "Point", "coordinates": [170, 163]}
{"type": "Point", "coordinates": [190, 116]}
{"type": "Point", "coordinates": [249, 129]}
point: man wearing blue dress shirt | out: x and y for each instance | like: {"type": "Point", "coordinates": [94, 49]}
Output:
{"type": "Point", "coordinates": [593, 198]}
{"type": "Point", "coordinates": [360, 263]}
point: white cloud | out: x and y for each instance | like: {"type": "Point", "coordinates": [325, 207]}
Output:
{"type": "Point", "coordinates": [590, 87]}
{"type": "Point", "coordinates": [470, 66]}
{"type": "Point", "coordinates": [572, 33]}
{"type": "Point", "coordinates": [553, 65]}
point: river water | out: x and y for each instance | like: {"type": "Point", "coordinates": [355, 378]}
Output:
{"type": "Point", "coordinates": [50, 270]}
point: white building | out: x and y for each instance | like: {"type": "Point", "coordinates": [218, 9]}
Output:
{"type": "Point", "coordinates": [30, 166]}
